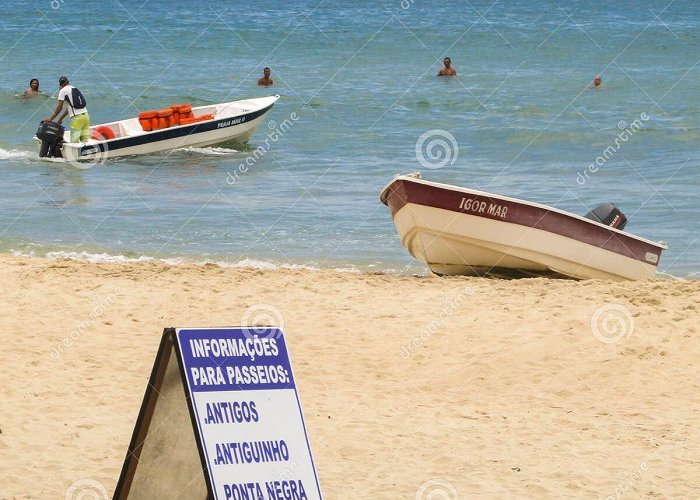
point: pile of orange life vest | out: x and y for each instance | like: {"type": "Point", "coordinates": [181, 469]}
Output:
{"type": "Point", "coordinates": [178, 114]}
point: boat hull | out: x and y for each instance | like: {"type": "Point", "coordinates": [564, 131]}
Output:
{"type": "Point", "coordinates": [237, 127]}
{"type": "Point", "coordinates": [458, 231]}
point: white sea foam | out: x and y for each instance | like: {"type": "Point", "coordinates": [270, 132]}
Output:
{"type": "Point", "coordinates": [106, 258]}
{"type": "Point", "coordinates": [95, 257]}
{"type": "Point", "coordinates": [210, 151]}
{"type": "Point", "coordinates": [246, 263]}
{"type": "Point", "coordinates": [13, 154]}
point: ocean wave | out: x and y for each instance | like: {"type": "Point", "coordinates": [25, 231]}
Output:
{"type": "Point", "coordinates": [105, 258]}
{"type": "Point", "coordinates": [13, 154]}
{"type": "Point", "coordinates": [209, 151]}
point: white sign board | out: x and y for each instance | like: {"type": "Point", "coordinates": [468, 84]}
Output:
{"type": "Point", "coordinates": [246, 410]}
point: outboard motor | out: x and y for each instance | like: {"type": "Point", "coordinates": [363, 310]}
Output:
{"type": "Point", "coordinates": [51, 135]}
{"type": "Point", "coordinates": [608, 214]}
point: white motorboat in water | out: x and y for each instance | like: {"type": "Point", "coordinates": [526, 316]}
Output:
{"type": "Point", "coordinates": [202, 126]}
{"type": "Point", "coordinates": [460, 231]}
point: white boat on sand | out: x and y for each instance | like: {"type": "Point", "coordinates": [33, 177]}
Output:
{"type": "Point", "coordinates": [226, 122]}
{"type": "Point", "coordinates": [460, 231]}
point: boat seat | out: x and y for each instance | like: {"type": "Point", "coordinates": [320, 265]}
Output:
{"type": "Point", "coordinates": [130, 127]}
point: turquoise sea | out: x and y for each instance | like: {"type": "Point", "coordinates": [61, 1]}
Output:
{"type": "Point", "coordinates": [520, 119]}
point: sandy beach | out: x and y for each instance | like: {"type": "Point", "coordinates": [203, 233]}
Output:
{"type": "Point", "coordinates": [412, 387]}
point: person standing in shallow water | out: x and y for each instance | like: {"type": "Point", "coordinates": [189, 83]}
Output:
{"type": "Point", "coordinates": [33, 87]}
{"type": "Point", "coordinates": [265, 80]}
{"type": "Point", "coordinates": [447, 70]}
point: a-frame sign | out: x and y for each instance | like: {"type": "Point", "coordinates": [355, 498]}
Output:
{"type": "Point", "coordinates": [220, 419]}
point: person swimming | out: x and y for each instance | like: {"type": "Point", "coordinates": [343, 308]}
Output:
{"type": "Point", "coordinates": [265, 79]}
{"type": "Point", "coordinates": [447, 69]}
{"type": "Point", "coordinates": [33, 88]}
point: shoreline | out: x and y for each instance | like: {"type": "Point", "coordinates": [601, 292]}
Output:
{"type": "Point", "coordinates": [530, 387]}
{"type": "Point", "coordinates": [413, 268]}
